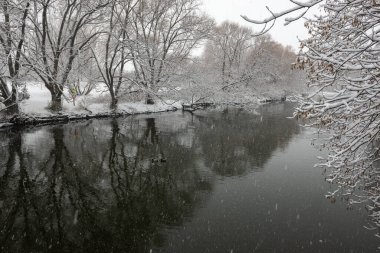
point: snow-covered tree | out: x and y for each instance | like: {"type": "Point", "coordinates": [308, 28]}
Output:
{"type": "Point", "coordinates": [269, 65]}
{"type": "Point", "coordinates": [342, 57]}
{"type": "Point", "coordinates": [344, 54]}
{"type": "Point", "coordinates": [240, 61]}
{"type": "Point", "coordinates": [61, 30]}
{"type": "Point", "coordinates": [163, 34]}
{"type": "Point", "coordinates": [111, 53]}
{"type": "Point", "coordinates": [13, 29]}
{"type": "Point", "coordinates": [226, 50]}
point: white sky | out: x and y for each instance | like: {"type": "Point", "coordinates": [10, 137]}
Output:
{"type": "Point", "coordinates": [231, 10]}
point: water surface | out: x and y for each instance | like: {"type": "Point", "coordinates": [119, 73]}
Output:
{"type": "Point", "coordinates": [214, 181]}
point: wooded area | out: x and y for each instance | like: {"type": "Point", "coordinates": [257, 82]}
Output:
{"type": "Point", "coordinates": [129, 46]}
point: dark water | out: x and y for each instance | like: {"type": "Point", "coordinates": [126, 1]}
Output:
{"type": "Point", "coordinates": [229, 181]}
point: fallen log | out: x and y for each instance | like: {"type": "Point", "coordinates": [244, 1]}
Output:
{"type": "Point", "coordinates": [273, 100]}
{"type": "Point", "coordinates": [195, 106]}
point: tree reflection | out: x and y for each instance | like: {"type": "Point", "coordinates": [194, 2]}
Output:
{"type": "Point", "coordinates": [100, 202]}
{"type": "Point", "coordinates": [236, 142]}
{"type": "Point", "coordinates": [115, 185]}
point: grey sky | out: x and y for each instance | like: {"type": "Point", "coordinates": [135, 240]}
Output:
{"type": "Point", "coordinates": [256, 9]}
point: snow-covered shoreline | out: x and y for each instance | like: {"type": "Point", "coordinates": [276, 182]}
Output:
{"type": "Point", "coordinates": [34, 111]}
{"type": "Point", "coordinates": [25, 120]}
{"type": "Point", "coordinates": [30, 120]}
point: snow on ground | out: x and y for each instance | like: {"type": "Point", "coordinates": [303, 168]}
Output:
{"type": "Point", "coordinates": [98, 101]}
{"type": "Point", "coordinates": [94, 103]}
{"type": "Point", "coordinates": [38, 102]}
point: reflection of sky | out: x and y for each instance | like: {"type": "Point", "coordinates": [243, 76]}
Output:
{"type": "Point", "coordinates": [172, 122]}
{"type": "Point", "coordinates": [186, 139]}
{"type": "Point", "coordinates": [36, 138]}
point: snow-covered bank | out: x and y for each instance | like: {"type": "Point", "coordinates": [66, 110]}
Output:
{"type": "Point", "coordinates": [97, 102]}
{"type": "Point", "coordinates": [130, 109]}
{"type": "Point", "coordinates": [34, 111]}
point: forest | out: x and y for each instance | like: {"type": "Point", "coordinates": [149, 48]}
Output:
{"type": "Point", "coordinates": [120, 51]}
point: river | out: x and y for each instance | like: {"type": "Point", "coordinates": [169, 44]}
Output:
{"type": "Point", "coordinates": [212, 181]}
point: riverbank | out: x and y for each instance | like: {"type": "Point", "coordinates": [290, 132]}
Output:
{"type": "Point", "coordinates": [124, 110]}
{"type": "Point", "coordinates": [24, 120]}
{"type": "Point", "coordinates": [34, 111]}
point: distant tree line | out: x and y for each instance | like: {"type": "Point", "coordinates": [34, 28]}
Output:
{"type": "Point", "coordinates": [236, 63]}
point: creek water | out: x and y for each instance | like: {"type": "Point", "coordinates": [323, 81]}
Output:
{"type": "Point", "coordinates": [212, 181]}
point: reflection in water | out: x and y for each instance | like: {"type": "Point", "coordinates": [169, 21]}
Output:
{"type": "Point", "coordinates": [115, 196]}
{"type": "Point", "coordinates": [236, 142]}
{"type": "Point", "coordinates": [119, 185]}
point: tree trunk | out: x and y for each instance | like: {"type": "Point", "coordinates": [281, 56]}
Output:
{"type": "Point", "coordinates": [56, 101]}
{"type": "Point", "coordinates": [114, 102]}
{"type": "Point", "coordinates": [56, 96]}
{"type": "Point", "coordinates": [11, 107]}
{"type": "Point", "coordinates": [149, 100]}
{"type": "Point", "coordinates": [11, 103]}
